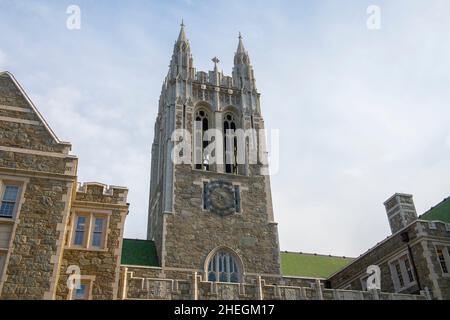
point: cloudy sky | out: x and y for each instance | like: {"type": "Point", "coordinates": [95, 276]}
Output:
{"type": "Point", "coordinates": [362, 113]}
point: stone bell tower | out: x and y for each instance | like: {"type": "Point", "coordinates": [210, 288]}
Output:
{"type": "Point", "coordinates": [212, 215]}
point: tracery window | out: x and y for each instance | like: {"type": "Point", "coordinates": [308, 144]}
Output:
{"type": "Point", "coordinates": [224, 267]}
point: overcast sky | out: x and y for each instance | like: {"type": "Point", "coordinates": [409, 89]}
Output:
{"type": "Point", "coordinates": [362, 113]}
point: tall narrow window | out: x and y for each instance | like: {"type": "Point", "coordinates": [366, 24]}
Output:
{"type": "Point", "coordinates": [399, 275]}
{"type": "Point", "coordinates": [98, 232]}
{"type": "Point", "coordinates": [230, 143]}
{"type": "Point", "coordinates": [2, 262]}
{"type": "Point", "coordinates": [402, 273]}
{"type": "Point", "coordinates": [9, 200]}
{"type": "Point", "coordinates": [441, 258]}
{"type": "Point", "coordinates": [205, 184]}
{"type": "Point", "coordinates": [223, 267]}
{"type": "Point", "coordinates": [237, 198]}
{"type": "Point", "coordinates": [409, 270]}
{"type": "Point", "coordinates": [80, 231]}
{"type": "Point", "coordinates": [201, 126]}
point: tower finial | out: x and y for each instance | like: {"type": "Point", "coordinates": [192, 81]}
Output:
{"type": "Point", "coordinates": [182, 36]}
{"type": "Point", "coordinates": [240, 48]}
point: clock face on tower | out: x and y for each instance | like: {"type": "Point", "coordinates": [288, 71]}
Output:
{"type": "Point", "coordinates": [220, 198]}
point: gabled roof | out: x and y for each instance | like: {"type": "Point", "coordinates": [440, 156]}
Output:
{"type": "Point", "coordinates": [139, 253]}
{"type": "Point", "coordinates": [311, 265]}
{"type": "Point", "coordinates": [33, 107]}
{"type": "Point", "coordinates": [440, 212]}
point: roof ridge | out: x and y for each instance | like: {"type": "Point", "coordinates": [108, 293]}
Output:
{"type": "Point", "coordinates": [317, 254]}
{"type": "Point", "coordinates": [435, 206]}
{"type": "Point", "coordinates": [138, 239]}
{"type": "Point", "coordinates": [34, 108]}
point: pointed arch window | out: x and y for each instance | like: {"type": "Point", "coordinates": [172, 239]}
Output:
{"type": "Point", "coordinates": [230, 143]}
{"type": "Point", "coordinates": [202, 123]}
{"type": "Point", "coordinates": [224, 267]}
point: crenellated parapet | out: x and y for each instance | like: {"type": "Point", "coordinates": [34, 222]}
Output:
{"type": "Point", "coordinates": [99, 192]}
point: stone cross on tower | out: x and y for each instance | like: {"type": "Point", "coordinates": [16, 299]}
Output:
{"type": "Point", "coordinates": [229, 213]}
{"type": "Point", "coordinates": [216, 61]}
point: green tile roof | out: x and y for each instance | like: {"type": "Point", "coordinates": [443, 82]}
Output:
{"type": "Point", "coordinates": [139, 253]}
{"type": "Point", "coordinates": [311, 265]}
{"type": "Point", "coordinates": [439, 212]}
{"type": "Point", "coordinates": [143, 253]}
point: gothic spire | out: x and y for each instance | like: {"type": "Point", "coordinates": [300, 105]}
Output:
{"type": "Point", "coordinates": [241, 55]}
{"type": "Point", "coordinates": [182, 64]}
{"type": "Point", "coordinates": [182, 36]}
{"type": "Point", "coordinates": [240, 48]}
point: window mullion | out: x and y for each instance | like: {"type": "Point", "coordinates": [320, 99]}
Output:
{"type": "Point", "coordinates": [89, 230]}
{"type": "Point", "coordinates": [216, 257]}
{"type": "Point", "coordinates": [228, 273]}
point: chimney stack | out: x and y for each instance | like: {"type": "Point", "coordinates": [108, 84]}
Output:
{"type": "Point", "coordinates": [400, 210]}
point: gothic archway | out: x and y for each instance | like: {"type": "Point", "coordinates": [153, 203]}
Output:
{"type": "Point", "coordinates": [224, 265]}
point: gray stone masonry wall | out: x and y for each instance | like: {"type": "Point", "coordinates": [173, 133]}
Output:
{"type": "Point", "coordinates": [103, 264]}
{"type": "Point", "coordinates": [36, 238]}
{"type": "Point", "coordinates": [10, 94]}
{"type": "Point", "coordinates": [23, 161]}
{"type": "Point", "coordinates": [422, 242]}
{"type": "Point", "coordinates": [434, 277]}
{"type": "Point", "coordinates": [153, 283]}
{"type": "Point", "coordinates": [192, 233]}
{"type": "Point", "coordinates": [30, 268]}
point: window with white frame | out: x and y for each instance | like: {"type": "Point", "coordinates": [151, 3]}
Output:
{"type": "Point", "coordinates": [443, 254]}
{"type": "Point", "coordinates": [9, 198]}
{"type": "Point", "coordinates": [402, 273]}
{"type": "Point", "coordinates": [89, 230]}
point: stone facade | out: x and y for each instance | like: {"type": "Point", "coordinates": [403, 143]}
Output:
{"type": "Point", "coordinates": [183, 222]}
{"type": "Point", "coordinates": [212, 224]}
{"type": "Point", "coordinates": [418, 242]}
{"type": "Point", "coordinates": [150, 283]}
{"type": "Point", "coordinates": [184, 229]}
{"type": "Point", "coordinates": [103, 264]}
{"type": "Point", "coordinates": [34, 249]}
